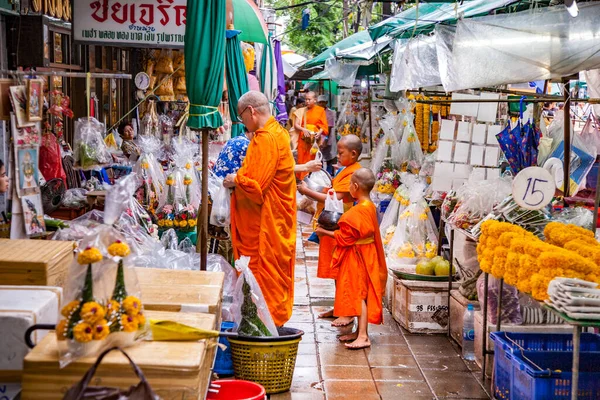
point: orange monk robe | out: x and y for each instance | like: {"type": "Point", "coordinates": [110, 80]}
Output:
{"type": "Point", "coordinates": [341, 184]}
{"type": "Point", "coordinates": [263, 217]}
{"type": "Point", "coordinates": [314, 116]}
{"type": "Point", "coordinates": [360, 261]}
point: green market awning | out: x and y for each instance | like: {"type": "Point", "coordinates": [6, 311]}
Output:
{"type": "Point", "coordinates": [248, 19]}
{"type": "Point", "coordinates": [237, 79]}
{"type": "Point", "coordinates": [429, 14]}
{"type": "Point", "coordinates": [351, 41]}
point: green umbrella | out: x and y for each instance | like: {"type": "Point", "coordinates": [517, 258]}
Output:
{"type": "Point", "coordinates": [237, 79]}
{"type": "Point", "coordinates": [204, 70]}
{"type": "Point", "coordinates": [248, 19]}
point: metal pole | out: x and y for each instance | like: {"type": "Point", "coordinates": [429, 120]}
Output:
{"type": "Point", "coordinates": [450, 276]}
{"type": "Point", "coordinates": [499, 306]}
{"type": "Point", "coordinates": [204, 208]}
{"type": "Point", "coordinates": [575, 370]}
{"type": "Point", "coordinates": [370, 114]}
{"type": "Point", "coordinates": [486, 278]}
{"type": "Point", "coordinates": [567, 134]}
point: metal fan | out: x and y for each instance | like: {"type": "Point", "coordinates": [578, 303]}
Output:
{"type": "Point", "coordinates": [52, 194]}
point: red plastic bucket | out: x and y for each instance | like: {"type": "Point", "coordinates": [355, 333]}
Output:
{"type": "Point", "coordinates": [232, 389]}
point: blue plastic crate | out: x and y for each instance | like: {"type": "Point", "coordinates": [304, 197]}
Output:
{"type": "Point", "coordinates": [545, 341]}
{"type": "Point", "coordinates": [547, 376]}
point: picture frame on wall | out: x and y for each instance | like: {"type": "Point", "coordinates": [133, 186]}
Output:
{"type": "Point", "coordinates": [35, 100]}
{"type": "Point", "coordinates": [18, 98]}
{"type": "Point", "coordinates": [26, 170]}
{"type": "Point", "coordinates": [33, 214]}
{"type": "Point", "coordinates": [5, 105]}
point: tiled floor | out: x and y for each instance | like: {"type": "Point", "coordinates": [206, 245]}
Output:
{"type": "Point", "coordinates": [399, 365]}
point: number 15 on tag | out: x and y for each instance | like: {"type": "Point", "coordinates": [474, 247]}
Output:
{"type": "Point", "coordinates": [533, 188]}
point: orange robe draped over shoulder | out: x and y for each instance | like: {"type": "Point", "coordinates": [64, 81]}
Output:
{"type": "Point", "coordinates": [314, 116]}
{"type": "Point", "coordinates": [263, 217]}
{"type": "Point", "coordinates": [360, 261]}
{"type": "Point", "coordinates": [341, 184]}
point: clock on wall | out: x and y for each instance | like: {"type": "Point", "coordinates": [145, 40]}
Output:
{"type": "Point", "coordinates": [142, 81]}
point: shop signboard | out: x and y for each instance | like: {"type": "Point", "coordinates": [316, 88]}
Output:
{"type": "Point", "coordinates": [139, 23]}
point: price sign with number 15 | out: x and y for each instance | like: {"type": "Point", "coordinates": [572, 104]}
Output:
{"type": "Point", "coordinates": [533, 188]}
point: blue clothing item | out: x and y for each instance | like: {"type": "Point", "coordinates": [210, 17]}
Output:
{"type": "Point", "coordinates": [313, 238]}
{"type": "Point", "coordinates": [231, 157]}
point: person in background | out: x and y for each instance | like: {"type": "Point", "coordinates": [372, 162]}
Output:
{"type": "Point", "coordinates": [128, 146]}
{"type": "Point", "coordinates": [312, 128]}
{"type": "Point", "coordinates": [297, 110]}
{"type": "Point", "coordinates": [3, 178]}
{"type": "Point", "coordinates": [329, 148]}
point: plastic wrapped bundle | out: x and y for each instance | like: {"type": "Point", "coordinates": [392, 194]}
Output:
{"type": "Point", "coordinates": [151, 192]}
{"type": "Point", "coordinates": [167, 128]}
{"type": "Point", "coordinates": [150, 125]}
{"type": "Point", "coordinates": [341, 73]}
{"type": "Point", "coordinates": [389, 146]}
{"type": "Point", "coordinates": [90, 150]}
{"type": "Point", "coordinates": [397, 205]}
{"type": "Point", "coordinates": [415, 65]}
{"type": "Point", "coordinates": [220, 214]}
{"type": "Point", "coordinates": [411, 155]}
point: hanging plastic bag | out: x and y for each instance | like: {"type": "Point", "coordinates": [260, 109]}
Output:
{"type": "Point", "coordinates": [179, 64]}
{"type": "Point", "coordinates": [411, 155]}
{"type": "Point", "coordinates": [216, 263]}
{"type": "Point", "coordinates": [220, 214]}
{"type": "Point", "coordinates": [167, 128]}
{"type": "Point", "coordinates": [150, 125]}
{"type": "Point", "coordinates": [332, 203]}
{"type": "Point", "coordinates": [250, 311]}
{"type": "Point", "coordinates": [166, 86]}
{"type": "Point", "coordinates": [50, 159]}
{"type": "Point", "coordinates": [90, 150]}
{"type": "Point", "coordinates": [151, 191]}
{"type": "Point", "coordinates": [164, 64]}
{"type": "Point", "coordinates": [319, 181]}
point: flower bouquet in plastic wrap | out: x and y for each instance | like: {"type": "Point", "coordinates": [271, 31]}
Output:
{"type": "Point", "coordinates": [250, 311]}
{"type": "Point", "coordinates": [103, 307]}
{"type": "Point", "coordinates": [187, 189]}
{"type": "Point", "coordinates": [151, 191]}
{"type": "Point", "coordinates": [90, 150]}
{"type": "Point", "coordinates": [411, 155]}
{"type": "Point", "coordinates": [150, 125]}
{"type": "Point", "coordinates": [397, 205]}
{"type": "Point", "coordinates": [165, 217]}
{"type": "Point", "coordinates": [415, 237]}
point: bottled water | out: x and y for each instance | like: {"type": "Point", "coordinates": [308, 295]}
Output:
{"type": "Point", "coordinates": [468, 345]}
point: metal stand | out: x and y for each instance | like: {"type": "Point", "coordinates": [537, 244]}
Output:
{"type": "Point", "coordinates": [450, 275]}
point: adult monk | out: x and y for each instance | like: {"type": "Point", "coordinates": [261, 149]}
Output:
{"type": "Point", "coordinates": [311, 125]}
{"type": "Point", "coordinates": [349, 149]}
{"type": "Point", "coordinates": [263, 206]}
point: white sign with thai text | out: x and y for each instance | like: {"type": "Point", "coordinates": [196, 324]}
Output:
{"type": "Point", "coordinates": [141, 23]}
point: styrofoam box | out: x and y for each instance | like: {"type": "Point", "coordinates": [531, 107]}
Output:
{"type": "Point", "coordinates": [415, 302]}
{"type": "Point", "coordinates": [507, 328]}
{"type": "Point", "coordinates": [20, 308]}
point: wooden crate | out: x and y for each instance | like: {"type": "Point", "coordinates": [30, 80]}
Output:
{"type": "Point", "coordinates": [175, 370]}
{"type": "Point", "coordinates": [35, 262]}
{"type": "Point", "coordinates": [157, 276]}
{"type": "Point", "coordinates": [415, 303]}
{"type": "Point", "coordinates": [179, 298]}
{"type": "Point", "coordinates": [458, 305]}
{"type": "Point", "coordinates": [507, 328]}
{"type": "Point", "coordinates": [388, 299]}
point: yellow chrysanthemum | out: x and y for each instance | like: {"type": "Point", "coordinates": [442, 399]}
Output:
{"type": "Point", "coordinates": [145, 164]}
{"type": "Point", "coordinates": [92, 312]}
{"type": "Point", "coordinates": [100, 330]}
{"type": "Point", "coordinates": [89, 256]}
{"type": "Point", "coordinates": [187, 180]}
{"type": "Point", "coordinates": [423, 217]}
{"type": "Point", "coordinates": [61, 330]}
{"type": "Point", "coordinates": [161, 222]}
{"type": "Point", "coordinates": [69, 308]}
{"type": "Point", "coordinates": [188, 165]}
{"type": "Point", "coordinates": [169, 223]}
{"type": "Point", "coordinates": [129, 323]}
{"type": "Point", "coordinates": [141, 319]}
{"type": "Point", "coordinates": [132, 305]}
{"type": "Point", "coordinates": [118, 249]}
{"type": "Point", "coordinates": [112, 307]}
{"type": "Point", "coordinates": [192, 223]}
{"type": "Point", "coordinates": [83, 332]}
{"type": "Point", "coordinates": [183, 224]}
{"type": "Point", "coordinates": [176, 223]}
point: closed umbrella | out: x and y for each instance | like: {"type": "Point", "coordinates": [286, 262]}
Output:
{"type": "Point", "coordinates": [282, 115]}
{"type": "Point", "coordinates": [237, 79]}
{"type": "Point", "coordinates": [204, 69]}
{"type": "Point", "coordinates": [249, 20]}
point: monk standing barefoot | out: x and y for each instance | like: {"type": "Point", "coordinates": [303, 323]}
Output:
{"type": "Point", "coordinates": [360, 261]}
{"type": "Point", "coordinates": [349, 149]}
{"type": "Point", "coordinates": [263, 206]}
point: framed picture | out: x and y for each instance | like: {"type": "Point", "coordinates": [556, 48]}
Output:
{"type": "Point", "coordinates": [35, 99]}
{"type": "Point", "coordinates": [18, 98]}
{"type": "Point", "coordinates": [33, 214]}
{"type": "Point", "coordinates": [26, 170]}
{"type": "Point", "coordinates": [27, 136]}
{"type": "Point", "coordinates": [5, 105]}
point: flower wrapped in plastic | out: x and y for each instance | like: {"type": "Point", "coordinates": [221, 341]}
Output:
{"type": "Point", "coordinates": [411, 155]}
{"type": "Point", "coordinates": [165, 217]}
{"type": "Point", "coordinates": [90, 150]}
{"type": "Point", "coordinates": [103, 307]}
{"type": "Point", "coordinates": [150, 125]}
{"type": "Point", "coordinates": [398, 204]}
{"type": "Point", "coordinates": [152, 190]}
{"type": "Point", "coordinates": [414, 237]}
{"type": "Point", "coordinates": [186, 193]}
{"type": "Point", "coordinates": [389, 146]}
{"type": "Point", "coordinates": [167, 128]}
{"type": "Point", "coordinates": [388, 179]}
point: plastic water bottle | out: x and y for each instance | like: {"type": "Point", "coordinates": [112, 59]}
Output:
{"type": "Point", "coordinates": [468, 344]}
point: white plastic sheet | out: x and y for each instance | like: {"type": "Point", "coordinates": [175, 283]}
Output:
{"type": "Point", "coordinates": [342, 73]}
{"type": "Point", "coordinates": [520, 47]}
{"type": "Point", "coordinates": [415, 65]}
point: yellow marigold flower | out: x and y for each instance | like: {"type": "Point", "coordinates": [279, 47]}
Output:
{"type": "Point", "coordinates": [169, 223]}
{"type": "Point", "coordinates": [132, 305]}
{"type": "Point", "coordinates": [187, 180]}
{"type": "Point", "coordinates": [145, 164]}
{"type": "Point", "coordinates": [423, 217]}
{"type": "Point", "coordinates": [69, 308]}
{"type": "Point", "coordinates": [583, 249]}
{"type": "Point", "coordinates": [141, 319]}
{"type": "Point", "coordinates": [129, 323]}
{"type": "Point", "coordinates": [89, 256]}
{"type": "Point", "coordinates": [188, 165]}
{"type": "Point", "coordinates": [170, 180]}
{"type": "Point", "coordinates": [192, 223]}
{"type": "Point", "coordinates": [498, 266]}
{"type": "Point", "coordinates": [101, 330]}
{"type": "Point", "coordinates": [161, 222]}
{"type": "Point", "coordinates": [539, 287]}
{"type": "Point", "coordinates": [176, 223]}
{"type": "Point", "coordinates": [61, 330]}
{"type": "Point", "coordinates": [83, 332]}
{"type": "Point", "coordinates": [183, 224]}
{"type": "Point", "coordinates": [118, 249]}
{"type": "Point", "coordinates": [92, 312]}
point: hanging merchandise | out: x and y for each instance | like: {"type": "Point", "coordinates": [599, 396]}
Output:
{"type": "Point", "coordinates": [305, 18]}
{"type": "Point", "coordinates": [398, 204]}
{"type": "Point", "coordinates": [220, 214]}
{"type": "Point", "coordinates": [50, 158]}
{"type": "Point", "coordinates": [164, 64]}
{"type": "Point", "coordinates": [388, 149]}
{"type": "Point", "coordinates": [90, 150]}
{"type": "Point", "coordinates": [152, 189]}
{"type": "Point", "coordinates": [150, 125]}
{"type": "Point", "coordinates": [186, 197]}
{"type": "Point", "coordinates": [411, 155]}
{"type": "Point", "coordinates": [249, 56]}
{"type": "Point", "coordinates": [165, 89]}
{"type": "Point", "coordinates": [179, 65]}
{"type": "Point", "coordinates": [166, 128]}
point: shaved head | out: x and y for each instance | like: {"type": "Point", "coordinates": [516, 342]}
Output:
{"type": "Point", "coordinates": [311, 95]}
{"type": "Point", "coordinates": [255, 99]}
{"type": "Point", "coordinates": [365, 179]}
{"type": "Point", "coordinates": [352, 143]}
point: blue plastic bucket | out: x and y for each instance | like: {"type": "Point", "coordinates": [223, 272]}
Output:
{"type": "Point", "coordinates": [224, 363]}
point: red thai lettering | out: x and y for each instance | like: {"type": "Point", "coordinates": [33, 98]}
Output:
{"type": "Point", "coordinates": [116, 7]}
{"type": "Point", "coordinates": [180, 15]}
{"type": "Point", "coordinates": [163, 9]}
{"type": "Point", "coordinates": [132, 13]}
{"type": "Point", "coordinates": [147, 14]}
{"type": "Point", "coordinates": [100, 8]}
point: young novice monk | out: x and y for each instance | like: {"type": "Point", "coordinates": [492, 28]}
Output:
{"type": "Point", "coordinates": [359, 259]}
{"type": "Point", "coordinates": [349, 149]}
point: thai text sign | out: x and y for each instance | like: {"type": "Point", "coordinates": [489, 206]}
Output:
{"type": "Point", "coordinates": [143, 23]}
